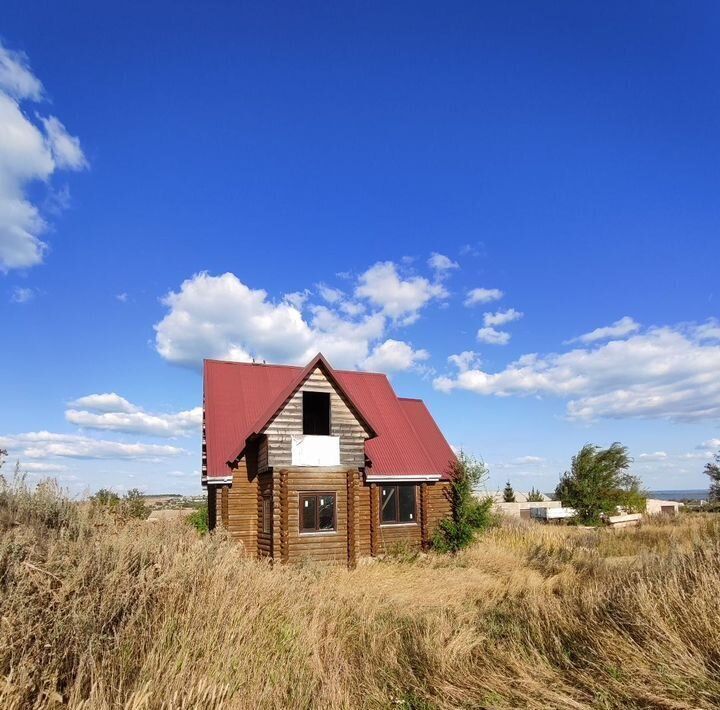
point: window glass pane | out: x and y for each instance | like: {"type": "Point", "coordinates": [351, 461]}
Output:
{"type": "Point", "coordinates": [326, 506]}
{"type": "Point", "coordinates": [407, 503]}
{"type": "Point", "coordinates": [308, 512]}
{"type": "Point", "coordinates": [388, 497]}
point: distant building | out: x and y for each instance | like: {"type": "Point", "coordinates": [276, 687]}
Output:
{"type": "Point", "coordinates": [521, 507]}
{"type": "Point", "coordinates": [655, 506]}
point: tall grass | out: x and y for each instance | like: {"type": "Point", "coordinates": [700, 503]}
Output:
{"type": "Point", "coordinates": [101, 612]}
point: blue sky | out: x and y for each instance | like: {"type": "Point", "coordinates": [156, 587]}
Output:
{"type": "Point", "coordinates": [511, 208]}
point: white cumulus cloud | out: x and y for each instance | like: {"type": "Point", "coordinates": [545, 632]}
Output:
{"type": "Point", "coordinates": [709, 330]}
{"type": "Point", "coordinates": [399, 298]}
{"type": "Point", "coordinates": [492, 336]}
{"type": "Point", "coordinates": [297, 298]}
{"type": "Point", "coordinates": [393, 356]}
{"type": "Point", "coordinates": [107, 402]}
{"type": "Point", "coordinates": [16, 79]}
{"type": "Point", "coordinates": [661, 373]}
{"type": "Point", "coordinates": [45, 444]}
{"type": "Point", "coordinates": [329, 294]}
{"type": "Point", "coordinates": [221, 317]}
{"type": "Point", "coordinates": [29, 153]}
{"type": "Point", "coordinates": [65, 148]}
{"type": "Point", "coordinates": [483, 295]}
{"type": "Point", "coordinates": [501, 317]}
{"type": "Point", "coordinates": [441, 264]}
{"type": "Point", "coordinates": [464, 360]}
{"type": "Point", "coordinates": [22, 295]}
{"type": "Point", "coordinates": [110, 412]}
{"type": "Point", "coordinates": [619, 329]}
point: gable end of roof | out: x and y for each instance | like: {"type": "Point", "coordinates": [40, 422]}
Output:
{"type": "Point", "coordinates": [281, 399]}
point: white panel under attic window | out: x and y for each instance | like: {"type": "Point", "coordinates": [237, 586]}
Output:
{"type": "Point", "coordinates": [310, 450]}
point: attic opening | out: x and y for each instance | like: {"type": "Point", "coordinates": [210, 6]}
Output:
{"type": "Point", "coordinates": [316, 413]}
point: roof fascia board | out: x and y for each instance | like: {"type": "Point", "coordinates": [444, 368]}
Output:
{"type": "Point", "coordinates": [218, 480]}
{"type": "Point", "coordinates": [380, 478]}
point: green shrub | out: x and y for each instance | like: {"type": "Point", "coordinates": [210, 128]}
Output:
{"type": "Point", "coordinates": [133, 505]}
{"type": "Point", "coordinates": [199, 519]}
{"type": "Point", "coordinates": [470, 513]}
{"type": "Point", "coordinates": [105, 498]}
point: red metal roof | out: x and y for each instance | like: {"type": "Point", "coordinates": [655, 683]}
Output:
{"type": "Point", "coordinates": [429, 433]}
{"type": "Point", "coordinates": [241, 398]}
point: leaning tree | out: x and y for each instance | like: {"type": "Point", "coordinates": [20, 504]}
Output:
{"type": "Point", "coordinates": [599, 482]}
{"type": "Point", "coordinates": [712, 470]}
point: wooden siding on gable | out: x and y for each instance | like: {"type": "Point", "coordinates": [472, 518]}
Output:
{"type": "Point", "coordinates": [344, 423]}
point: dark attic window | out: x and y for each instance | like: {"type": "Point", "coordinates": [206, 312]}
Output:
{"type": "Point", "coordinates": [316, 413]}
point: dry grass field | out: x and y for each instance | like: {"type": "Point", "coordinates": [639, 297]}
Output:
{"type": "Point", "coordinates": [97, 612]}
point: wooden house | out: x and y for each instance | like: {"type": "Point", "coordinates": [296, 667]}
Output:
{"type": "Point", "coordinates": [320, 463]}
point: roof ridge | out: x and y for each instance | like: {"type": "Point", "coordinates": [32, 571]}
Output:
{"type": "Point", "coordinates": [296, 367]}
{"type": "Point", "coordinates": [250, 364]}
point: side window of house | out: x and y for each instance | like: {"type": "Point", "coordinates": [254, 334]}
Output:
{"type": "Point", "coordinates": [317, 512]}
{"type": "Point", "coordinates": [316, 413]}
{"type": "Point", "coordinates": [267, 514]}
{"type": "Point", "coordinates": [398, 504]}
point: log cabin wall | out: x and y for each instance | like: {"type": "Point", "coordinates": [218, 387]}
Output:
{"type": "Point", "coordinates": [432, 504]}
{"type": "Point", "coordinates": [364, 545]}
{"type": "Point", "coordinates": [320, 546]}
{"type": "Point", "coordinates": [393, 534]}
{"type": "Point", "coordinates": [241, 519]}
{"type": "Point", "coordinates": [343, 423]}
{"type": "Point", "coordinates": [439, 505]}
{"type": "Point", "coordinates": [354, 484]}
{"type": "Point", "coordinates": [265, 532]}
